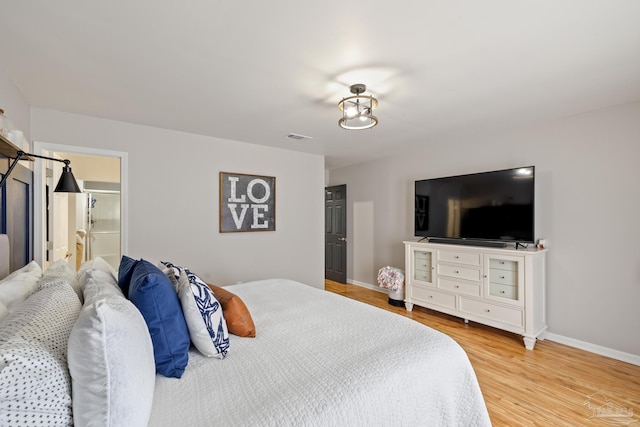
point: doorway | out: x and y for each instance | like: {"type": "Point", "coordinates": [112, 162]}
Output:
{"type": "Point", "coordinates": [66, 223]}
{"type": "Point", "coordinates": [98, 219]}
{"type": "Point", "coordinates": [335, 240]}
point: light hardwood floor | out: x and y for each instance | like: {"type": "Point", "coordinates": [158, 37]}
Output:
{"type": "Point", "coordinates": [547, 386]}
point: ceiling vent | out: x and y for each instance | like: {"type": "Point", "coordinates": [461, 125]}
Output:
{"type": "Point", "coordinates": [297, 137]}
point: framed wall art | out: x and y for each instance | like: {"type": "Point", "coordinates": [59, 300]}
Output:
{"type": "Point", "coordinates": [247, 202]}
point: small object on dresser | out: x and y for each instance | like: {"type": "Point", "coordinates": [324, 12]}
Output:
{"type": "Point", "coordinates": [4, 126]}
{"type": "Point", "coordinates": [393, 279]}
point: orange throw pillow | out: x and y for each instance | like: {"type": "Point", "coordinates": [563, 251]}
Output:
{"type": "Point", "coordinates": [239, 321]}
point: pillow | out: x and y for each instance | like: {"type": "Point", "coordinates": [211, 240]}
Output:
{"type": "Point", "coordinates": [152, 293]}
{"type": "Point", "coordinates": [101, 276]}
{"type": "Point", "coordinates": [125, 271]}
{"type": "Point", "coordinates": [106, 286]}
{"type": "Point", "coordinates": [96, 264]}
{"type": "Point", "coordinates": [34, 379]}
{"type": "Point", "coordinates": [110, 360]}
{"type": "Point", "coordinates": [31, 268]}
{"type": "Point", "coordinates": [16, 287]}
{"type": "Point", "coordinates": [4, 312]}
{"type": "Point", "coordinates": [61, 271]}
{"type": "Point", "coordinates": [204, 316]}
{"type": "Point", "coordinates": [171, 274]}
{"type": "Point", "coordinates": [236, 313]}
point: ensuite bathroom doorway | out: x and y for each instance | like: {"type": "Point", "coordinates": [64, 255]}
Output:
{"type": "Point", "coordinates": [81, 226]}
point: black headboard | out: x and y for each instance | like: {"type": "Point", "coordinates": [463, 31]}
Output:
{"type": "Point", "coordinates": [16, 213]}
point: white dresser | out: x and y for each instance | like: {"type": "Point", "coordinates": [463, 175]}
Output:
{"type": "Point", "coordinates": [503, 288]}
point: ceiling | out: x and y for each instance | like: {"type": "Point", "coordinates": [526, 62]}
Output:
{"type": "Point", "coordinates": [255, 71]}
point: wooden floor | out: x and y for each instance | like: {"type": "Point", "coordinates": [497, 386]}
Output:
{"type": "Point", "coordinates": [547, 386]}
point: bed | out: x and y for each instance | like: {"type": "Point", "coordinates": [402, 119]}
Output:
{"type": "Point", "coordinates": [316, 359]}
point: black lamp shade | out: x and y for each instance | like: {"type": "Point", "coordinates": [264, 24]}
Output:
{"type": "Point", "coordinates": [67, 183]}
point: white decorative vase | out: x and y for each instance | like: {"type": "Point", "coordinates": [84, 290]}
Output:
{"type": "Point", "coordinates": [396, 297]}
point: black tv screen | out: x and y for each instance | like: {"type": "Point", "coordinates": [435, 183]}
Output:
{"type": "Point", "coordinates": [488, 206]}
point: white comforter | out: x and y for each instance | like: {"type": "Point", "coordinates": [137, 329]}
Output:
{"type": "Point", "coordinates": [320, 359]}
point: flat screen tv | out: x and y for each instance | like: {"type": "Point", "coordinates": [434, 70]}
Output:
{"type": "Point", "coordinates": [495, 206]}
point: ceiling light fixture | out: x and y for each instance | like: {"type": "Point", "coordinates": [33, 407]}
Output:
{"type": "Point", "coordinates": [357, 110]}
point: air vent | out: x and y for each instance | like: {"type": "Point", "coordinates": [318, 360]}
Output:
{"type": "Point", "coordinates": [297, 136]}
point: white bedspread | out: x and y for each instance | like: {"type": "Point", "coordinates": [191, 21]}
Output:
{"type": "Point", "coordinates": [320, 359]}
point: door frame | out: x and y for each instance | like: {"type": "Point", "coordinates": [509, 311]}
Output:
{"type": "Point", "coordinates": [39, 203]}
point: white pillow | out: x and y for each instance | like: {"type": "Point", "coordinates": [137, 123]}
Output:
{"type": "Point", "coordinates": [4, 312]}
{"type": "Point", "coordinates": [59, 271]}
{"type": "Point", "coordinates": [34, 379]}
{"type": "Point", "coordinates": [203, 314]}
{"type": "Point", "coordinates": [98, 264]}
{"type": "Point", "coordinates": [16, 287]}
{"type": "Point", "coordinates": [31, 268]}
{"type": "Point", "coordinates": [110, 360]}
{"type": "Point", "coordinates": [98, 276]}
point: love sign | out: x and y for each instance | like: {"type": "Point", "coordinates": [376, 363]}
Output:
{"type": "Point", "coordinates": [247, 202]}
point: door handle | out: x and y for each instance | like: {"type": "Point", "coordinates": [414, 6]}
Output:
{"type": "Point", "coordinates": [342, 239]}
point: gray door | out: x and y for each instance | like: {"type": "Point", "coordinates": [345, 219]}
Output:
{"type": "Point", "coordinates": [335, 240]}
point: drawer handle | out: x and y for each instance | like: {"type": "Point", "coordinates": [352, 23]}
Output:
{"type": "Point", "coordinates": [502, 277]}
{"type": "Point", "coordinates": [457, 272]}
{"type": "Point", "coordinates": [430, 296]}
{"type": "Point", "coordinates": [457, 286]}
{"type": "Point", "coordinates": [502, 292]}
{"type": "Point", "coordinates": [502, 262]}
{"type": "Point", "coordinates": [456, 257]}
{"type": "Point", "coordinates": [487, 310]}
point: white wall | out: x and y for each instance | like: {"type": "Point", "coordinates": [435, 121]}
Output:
{"type": "Point", "coordinates": [587, 207]}
{"type": "Point", "coordinates": [173, 196]}
{"type": "Point", "coordinates": [93, 168]}
{"type": "Point", "coordinates": [15, 106]}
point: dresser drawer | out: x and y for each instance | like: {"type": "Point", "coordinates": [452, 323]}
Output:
{"type": "Point", "coordinates": [511, 316]}
{"type": "Point", "coordinates": [460, 258]}
{"type": "Point", "coordinates": [503, 264]}
{"type": "Point", "coordinates": [503, 291]}
{"type": "Point", "coordinates": [422, 264]}
{"type": "Point", "coordinates": [421, 255]}
{"type": "Point", "coordinates": [504, 277]}
{"type": "Point", "coordinates": [422, 275]}
{"type": "Point", "coordinates": [433, 297]}
{"type": "Point", "coordinates": [459, 272]}
{"type": "Point", "coordinates": [459, 287]}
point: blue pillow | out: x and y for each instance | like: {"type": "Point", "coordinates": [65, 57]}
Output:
{"type": "Point", "coordinates": [153, 294]}
{"type": "Point", "coordinates": [124, 273]}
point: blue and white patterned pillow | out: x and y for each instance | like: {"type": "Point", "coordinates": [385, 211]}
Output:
{"type": "Point", "coordinates": [172, 272]}
{"type": "Point", "coordinates": [203, 313]}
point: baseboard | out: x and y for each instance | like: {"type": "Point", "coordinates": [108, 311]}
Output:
{"type": "Point", "coordinates": [594, 348]}
{"type": "Point", "coordinates": [571, 342]}
{"type": "Point", "coordinates": [368, 286]}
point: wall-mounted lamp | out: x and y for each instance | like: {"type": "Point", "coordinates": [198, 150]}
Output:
{"type": "Point", "coordinates": [66, 184]}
